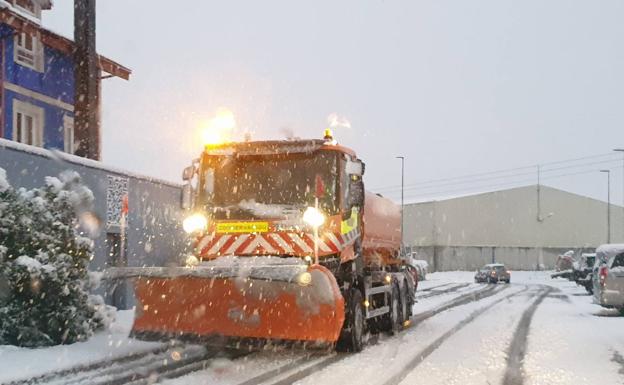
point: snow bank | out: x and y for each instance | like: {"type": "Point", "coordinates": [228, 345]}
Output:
{"type": "Point", "coordinates": [19, 363]}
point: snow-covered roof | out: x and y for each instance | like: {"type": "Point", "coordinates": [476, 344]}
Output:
{"type": "Point", "coordinates": [463, 195]}
{"type": "Point", "coordinates": [77, 160]}
{"type": "Point", "coordinates": [271, 147]}
{"type": "Point", "coordinates": [609, 250]}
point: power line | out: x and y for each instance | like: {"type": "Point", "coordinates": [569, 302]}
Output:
{"type": "Point", "coordinates": [487, 187]}
{"type": "Point", "coordinates": [543, 171]}
{"type": "Point", "coordinates": [472, 177]}
{"type": "Point", "coordinates": [488, 175]}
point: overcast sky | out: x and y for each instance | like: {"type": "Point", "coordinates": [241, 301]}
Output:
{"type": "Point", "coordinates": [458, 87]}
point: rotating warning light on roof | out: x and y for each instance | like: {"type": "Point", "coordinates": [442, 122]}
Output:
{"type": "Point", "coordinates": [219, 129]}
{"type": "Point", "coordinates": [328, 136]}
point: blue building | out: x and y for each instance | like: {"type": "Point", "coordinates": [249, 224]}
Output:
{"type": "Point", "coordinates": [37, 69]}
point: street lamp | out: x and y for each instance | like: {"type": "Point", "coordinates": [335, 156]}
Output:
{"type": "Point", "coordinates": [622, 151]}
{"type": "Point", "coordinates": [402, 184]}
{"type": "Point", "coordinates": [608, 204]}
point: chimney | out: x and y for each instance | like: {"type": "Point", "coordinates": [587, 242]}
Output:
{"type": "Point", "coordinates": [87, 81]}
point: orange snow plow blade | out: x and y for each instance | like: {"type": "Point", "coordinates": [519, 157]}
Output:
{"type": "Point", "coordinates": [275, 302]}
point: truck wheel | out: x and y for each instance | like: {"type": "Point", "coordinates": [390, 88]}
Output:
{"type": "Point", "coordinates": [405, 306]}
{"type": "Point", "coordinates": [393, 318]}
{"type": "Point", "coordinates": [351, 336]}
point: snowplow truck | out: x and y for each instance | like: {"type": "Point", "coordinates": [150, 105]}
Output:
{"type": "Point", "coordinates": [287, 247]}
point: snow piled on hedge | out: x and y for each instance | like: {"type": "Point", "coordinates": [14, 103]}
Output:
{"type": "Point", "coordinates": [43, 261]}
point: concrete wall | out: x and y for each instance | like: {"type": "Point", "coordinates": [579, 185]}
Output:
{"type": "Point", "coordinates": [154, 233]}
{"type": "Point", "coordinates": [509, 218]}
{"type": "Point", "coordinates": [449, 258]}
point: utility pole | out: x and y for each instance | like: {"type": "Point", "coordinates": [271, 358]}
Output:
{"type": "Point", "coordinates": [539, 196]}
{"type": "Point", "coordinates": [622, 151]}
{"type": "Point", "coordinates": [608, 172]}
{"type": "Point", "coordinates": [402, 185]}
{"type": "Point", "coordinates": [86, 81]}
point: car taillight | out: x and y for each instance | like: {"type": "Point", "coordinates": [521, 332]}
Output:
{"type": "Point", "coordinates": [603, 275]}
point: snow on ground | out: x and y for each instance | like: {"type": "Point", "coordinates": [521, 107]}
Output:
{"type": "Point", "coordinates": [574, 341]}
{"type": "Point", "coordinates": [19, 363]}
{"type": "Point", "coordinates": [377, 363]}
{"type": "Point", "coordinates": [570, 341]}
{"type": "Point", "coordinates": [477, 353]}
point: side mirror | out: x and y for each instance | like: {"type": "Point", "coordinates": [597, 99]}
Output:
{"type": "Point", "coordinates": [188, 173]}
{"type": "Point", "coordinates": [356, 192]}
{"type": "Point", "coordinates": [187, 196]}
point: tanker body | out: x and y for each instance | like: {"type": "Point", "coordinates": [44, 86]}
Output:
{"type": "Point", "coordinates": [381, 238]}
{"type": "Point", "coordinates": [288, 246]}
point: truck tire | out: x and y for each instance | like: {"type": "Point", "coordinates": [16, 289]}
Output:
{"type": "Point", "coordinates": [391, 322]}
{"type": "Point", "coordinates": [351, 336]}
{"type": "Point", "coordinates": [405, 306]}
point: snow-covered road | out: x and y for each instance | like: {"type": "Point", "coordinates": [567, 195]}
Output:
{"type": "Point", "coordinates": [534, 331]}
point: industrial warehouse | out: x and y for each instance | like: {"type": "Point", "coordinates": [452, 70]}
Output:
{"type": "Point", "coordinates": [512, 226]}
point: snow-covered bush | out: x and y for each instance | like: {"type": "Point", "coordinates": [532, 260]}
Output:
{"type": "Point", "coordinates": [43, 263]}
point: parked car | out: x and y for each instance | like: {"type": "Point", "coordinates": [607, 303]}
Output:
{"type": "Point", "coordinates": [582, 271]}
{"type": "Point", "coordinates": [493, 273]}
{"type": "Point", "coordinates": [422, 267]}
{"type": "Point", "coordinates": [608, 276]}
{"type": "Point", "coordinates": [565, 261]}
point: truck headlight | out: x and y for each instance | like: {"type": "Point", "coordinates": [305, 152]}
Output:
{"type": "Point", "coordinates": [195, 222]}
{"type": "Point", "coordinates": [304, 279]}
{"type": "Point", "coordinates": [314, 217]}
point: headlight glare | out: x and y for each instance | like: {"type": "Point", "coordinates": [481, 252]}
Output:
{"type": "Point", "coordinates": [195, 222]}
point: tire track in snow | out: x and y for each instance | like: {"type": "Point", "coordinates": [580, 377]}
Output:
{"type": "Point", "coordinates": [444, 291]}
{"type": "Point", "coordinates": [435, 287]}
{"type": "Point", "coordinates": [170, 361]}
{"type": "Point", "coordinates": [298, 375]}
{"type": "Point", "coordinates": [421, 355]}
{"type": "Point", "coordinates": [514, 375]}
{"type": "Point", "coordinates": [51, 376]}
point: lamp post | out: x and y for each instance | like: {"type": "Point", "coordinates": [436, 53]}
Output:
{"type": "Point", "coordinates": [402, 184]}
{"type": "Point", "coordinates": [608, 204]}
{"type": "Point", "coordinates": [622, 151]}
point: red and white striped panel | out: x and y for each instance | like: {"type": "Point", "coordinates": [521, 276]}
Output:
{"type": "Point", "coordinates": [267, 243]}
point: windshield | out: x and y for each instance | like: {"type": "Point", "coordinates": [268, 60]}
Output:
{"type": "Point", "coordinates": [268, 186]}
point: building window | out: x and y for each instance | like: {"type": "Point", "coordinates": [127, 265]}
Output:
{"type": "Point", "coordinates": [28, 51]}
{"type": "Point", "coordinates": [68, 132]}
{"type": "Point", "coordinates": [27, 123]}
{"type": "Point", "coordinates": [28, 6]}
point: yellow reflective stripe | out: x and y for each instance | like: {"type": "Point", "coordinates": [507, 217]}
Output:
{"type": "Point", "coordinates": [350, 224]}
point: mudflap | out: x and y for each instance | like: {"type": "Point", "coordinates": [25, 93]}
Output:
{"type": "Point", "coordinates": [279, 306]}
